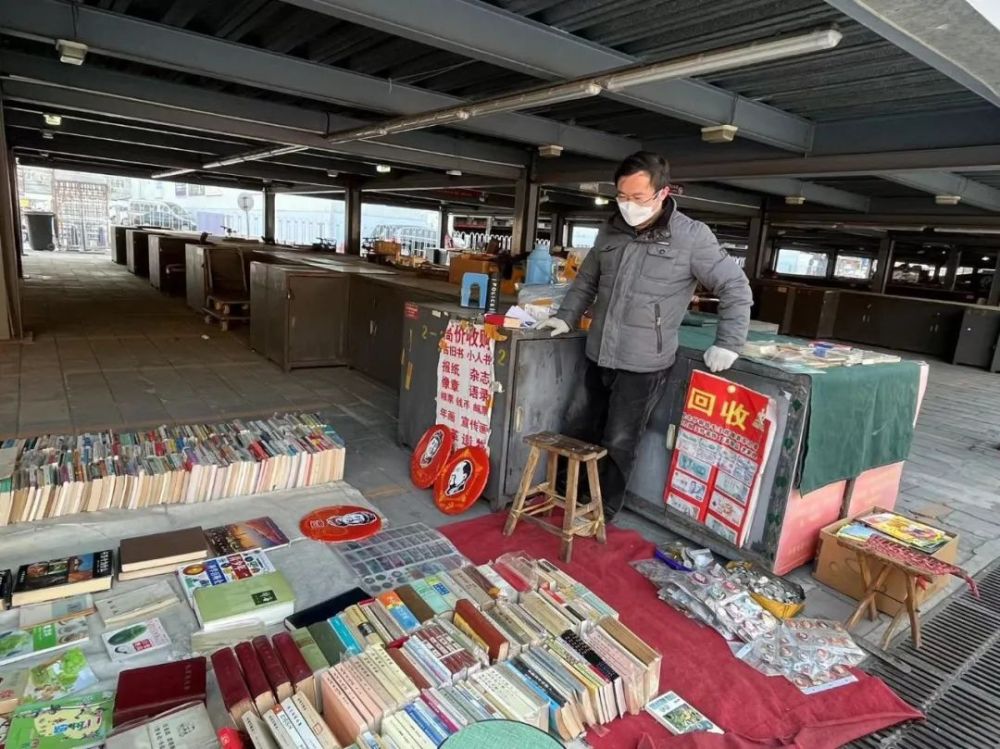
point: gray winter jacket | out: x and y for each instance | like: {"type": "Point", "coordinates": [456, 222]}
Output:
{"type": "Point", "coordinates": [641, 285]}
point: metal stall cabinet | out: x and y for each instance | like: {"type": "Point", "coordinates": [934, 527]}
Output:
{"type": "Point", "coordinates": [166, 262]}
{"type": "Point", "coordinates": [298, 315]}
{"type": "Point", "coordinates": [535, 377]}
{"type": "Point", "coordinates": [137, 251]}
{"type": "Point", "coordinates": [119, 250]}
{"type": "Point", "coordinates": [979, 339]}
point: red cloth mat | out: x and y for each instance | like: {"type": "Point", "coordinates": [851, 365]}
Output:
{"type": "Point", "coordinates": [756, 710]}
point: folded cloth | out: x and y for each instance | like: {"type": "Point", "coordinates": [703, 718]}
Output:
{"type": "Point", "coordinates": [916, 560]}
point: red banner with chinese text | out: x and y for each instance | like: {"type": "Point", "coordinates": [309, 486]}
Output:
{"type": "Point", "coordinates": [465, 382]}
{"type": "Point", "coordinates": [721, 448]}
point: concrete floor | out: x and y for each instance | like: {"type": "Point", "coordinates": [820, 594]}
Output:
{"type": "Point", "coordinates": [111, 351]}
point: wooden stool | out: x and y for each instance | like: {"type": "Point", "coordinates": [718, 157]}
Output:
{"type": "Point", "coordinates": [873, 586]}
{"type": "Point", "coordinates": [585, 520]}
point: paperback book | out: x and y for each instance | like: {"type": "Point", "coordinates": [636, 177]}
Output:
{"type": "Point", "coordinates": [68, 674]}
{"type": "Point", "coordinates": [247, 535]}
{"type": "Point", "coordinates": [60, 578]}
{"type": "Point", "coordinates": [75, 722]}
{"type": "Point", "coordinates": [222, 570]}
{"type": "Point", "coordinates": [17, 644]}
{"type": "Point", "coordinates": [135, 639]}
{"type": "Point", "coordinates": [672, 712]}
{"type": "Point", "coordinates": [53, 611]}
{"type": "Point", "coordinates": [120, 608]}
{"type": "Point", "coordinates": [187, 727]}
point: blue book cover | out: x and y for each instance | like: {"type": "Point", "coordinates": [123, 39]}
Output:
{"type": "Point", "coordinates": [434, 733]}
{"type": "Point", "coordinates": [343, 632]}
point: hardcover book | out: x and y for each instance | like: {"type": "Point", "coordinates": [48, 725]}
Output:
{"type": "Point", "coordinates": [235, 695]}
{"type": "Point", "coordinates": [150, 690]}
{"type": "Point", "coordinates": [253, 675]}
{"type": "Point", "coordinates": [258, 533]}
{"type": "Point", "coordinates": [267, 598]}
{"type": "Point", "coordinates": [60, 578]}
{"type": "Point", "coordinates": [135, 639]}
{"type": "Point", "coordinates": [76, 722]}
{"type": "Point", "coordinates": [273, 670]}
{"type": "Point", "coordinates": [161, 549]}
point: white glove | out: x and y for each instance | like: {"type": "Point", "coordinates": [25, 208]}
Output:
{"type": "Point", "coordinates": [719, 359]}
{"type": "Point", "coordinates": [557, 326]}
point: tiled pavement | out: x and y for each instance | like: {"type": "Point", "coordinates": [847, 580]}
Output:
{"type": "Point", "coordinates": [111, 351]}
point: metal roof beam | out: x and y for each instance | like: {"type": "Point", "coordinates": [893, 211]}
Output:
{"type": "Point", "coordinates": [29, 118]}
{"type": "Point", "coordinates": [484, 32]}
{"type": "Point", "coordinates": [970, 158]}
{"type": "Point", "coordinates": [945, 183]}
{"type": "Point", "coordinates": [813, 193]}
{"type": "Point", "coordinates": [91, 89]}
{"type": "Point", "coordinates": [158, 159]}
{"type": "Point", "coordinates": [154, 44]}
{"type": "Point", "coordinates": [432, 182]}
{"type": "Point", "coordinates": [949, 36]}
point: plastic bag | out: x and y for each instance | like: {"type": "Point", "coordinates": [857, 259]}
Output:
{"type": "Point", "coordinates": [542, 300]}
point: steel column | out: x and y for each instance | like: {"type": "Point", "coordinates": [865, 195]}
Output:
{"type": "Point", "coordinates": [269, 214]}
{"type": "Point", "coordinates": [442, 225]}
{"type": "Point", "coordinates": [994, 297]}
{"type": "Point", "coordinates": [526, 196]}
{"type": "Point", "coordinates": [558, 229]}
{"type": "Point", "coordinates": [951, 269]}
{"type": "Point", "coordinates": [883, 269]}
{"type": "Point", "coordinates": [756, 246]}
{"type": "Point", "coordinates": [352, 213]}
{"type": "Point", "coordinates": [10, 229]}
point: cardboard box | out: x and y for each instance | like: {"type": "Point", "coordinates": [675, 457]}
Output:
{"type": "Point", "coordinates": [837, 566]}
{"type": "Point", "coordinates": [462, 264]}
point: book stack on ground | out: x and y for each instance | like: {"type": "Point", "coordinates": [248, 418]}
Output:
{"type": "Point", "coordinates": [61, 578]}
{"type": "Point", "coordinates": [517, 639]}
{"type": "Point", "coordinates": [160, 553]}
{"type": "Point", "coordinates": [55, 475]}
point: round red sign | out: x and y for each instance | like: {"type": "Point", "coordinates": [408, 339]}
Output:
{"type": "Point", "coordinates": [462, 480]}
{"type": "Point", "coordinates": [430, 455]}
{"type": "Point", "coordinates": [340, 523]}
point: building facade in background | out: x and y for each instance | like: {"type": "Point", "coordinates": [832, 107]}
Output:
{"type": "Point", "coordinates": [86, 206]}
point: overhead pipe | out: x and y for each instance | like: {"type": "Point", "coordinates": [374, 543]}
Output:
{"type": "Point", "coordinates": [693, 65]}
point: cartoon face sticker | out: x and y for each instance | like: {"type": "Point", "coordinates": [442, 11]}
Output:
{"type": "Point", "coordinates": [459, 477]}
{"type": "Point", "coordinates": [360, 517]}
{"type": "Point", "coordinates": [432, 448]}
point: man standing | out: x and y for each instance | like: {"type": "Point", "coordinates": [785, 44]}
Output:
{"type": "Point", "coordinates": [639, 278]}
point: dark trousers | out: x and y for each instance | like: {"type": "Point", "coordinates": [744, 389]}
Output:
{"type": "Point", "coordinates": [611, 408]}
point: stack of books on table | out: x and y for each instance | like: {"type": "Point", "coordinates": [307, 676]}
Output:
{"type": "Point", "coordinates": [56, 475]}
{"type": "Point", "coordinates": [412, 666]}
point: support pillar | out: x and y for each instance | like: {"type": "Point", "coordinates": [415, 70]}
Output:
{"type": "Point", "coordinates": [352, 211]}
{"type": "Point", "coordinates": [10, 229]}
{"type": "Point", "coordinates": [883, 270]}
{"type": "Point", "coordinates": [951, 271]}
{"type": "Point", "coordinates": [526, 196]}
{"type": "Point", "coordinates": [758, 252]}
{"type": "Point", "coordinates": [442, 225]}
{"type": "Point", "coordinates": [994, 296]}
{"type": "Point", "coordinates": [269, 212]}
{"type": "Point", "coordinates": [557, 233]}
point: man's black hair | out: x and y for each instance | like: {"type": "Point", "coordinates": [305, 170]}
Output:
{"type": "Point", "coordinates": [645, 161]}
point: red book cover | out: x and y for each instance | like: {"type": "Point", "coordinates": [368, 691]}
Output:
{"type": "Point", "coordinates": [273, 669]}
{"type": "Point", "coordinates": [253, 673]}
{"type": "Point", "coordinates": [150, 690]}
{"type": "Point", "coordinates": [291, 657]}
{"type": "Point", "coordinates": [409, 668]}
{"type": "Point", "coordinates": [512, 577]}
{"type": "Point", "coordinates": [235, 694]}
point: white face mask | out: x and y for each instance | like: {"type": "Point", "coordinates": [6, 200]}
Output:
{"type": "Point", "coordinates": [638, 213]}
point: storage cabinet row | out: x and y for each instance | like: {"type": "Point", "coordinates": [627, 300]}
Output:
{"type": "Point", "coordinates": [961, 333]}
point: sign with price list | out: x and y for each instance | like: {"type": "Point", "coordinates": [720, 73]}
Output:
{"type": "Point", "coordinates": [465, 382]}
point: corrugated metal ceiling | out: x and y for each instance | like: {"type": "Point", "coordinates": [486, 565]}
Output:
{"type": "Point", "coordinates": [865, 76]}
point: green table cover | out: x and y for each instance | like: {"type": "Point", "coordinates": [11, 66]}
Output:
{"type": "Point", "coordinates": [860, 417]}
